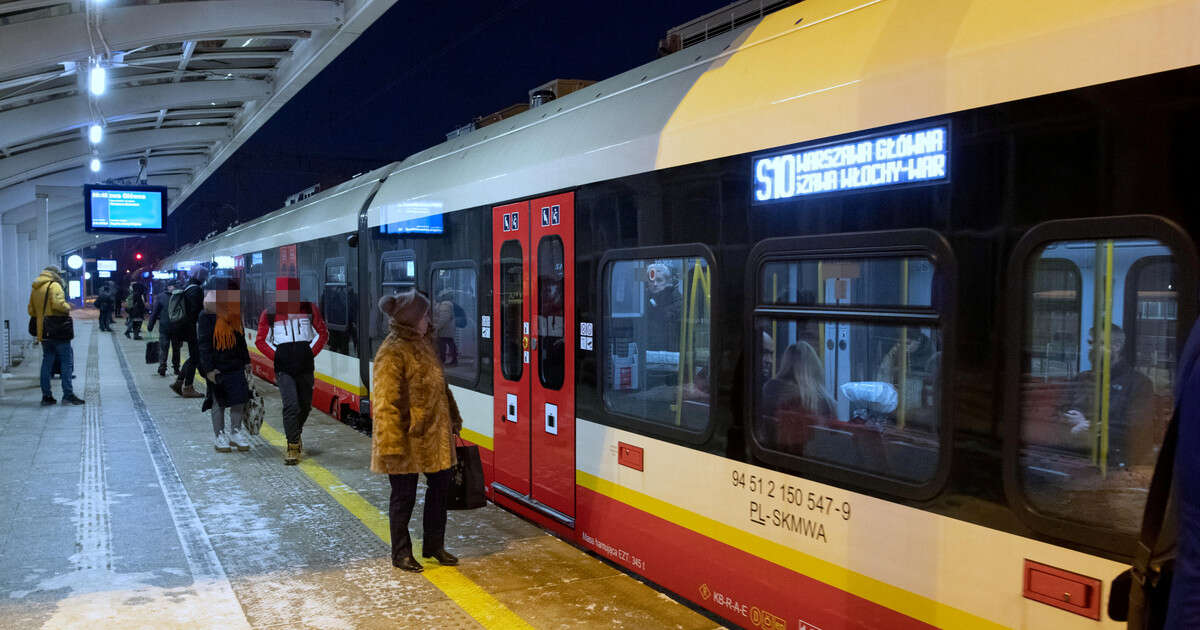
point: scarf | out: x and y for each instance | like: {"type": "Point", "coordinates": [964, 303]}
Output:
{"type": "Point", "coordinates": [229, 323]}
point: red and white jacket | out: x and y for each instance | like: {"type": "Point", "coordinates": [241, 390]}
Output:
{"type": "Point", "coordinates": [291, 340]}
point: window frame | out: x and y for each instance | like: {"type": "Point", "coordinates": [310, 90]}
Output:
{"type": "Point", "coordinates": [472, 265]}
{"type": "Point", "coordinates": [401, 255]}
{"type": "Point", "coordinates": [1118, 228]}
{"type": "Point", "coordinates": [638, 424]}
{"type": "Point", "coordinates": [325, 283]}
{"type": "Point", "coordinates": [941, 314]}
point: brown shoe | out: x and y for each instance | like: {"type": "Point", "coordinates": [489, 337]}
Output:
{"type": "Point", "coordinates": [190, 392]}
{"type": "Point", "coordinates": [177, 387]}
{"type": "Point", "coordinates": [292, 456]}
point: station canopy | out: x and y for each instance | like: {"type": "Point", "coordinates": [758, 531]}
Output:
{"type": "Point", "coordinates": [185, 83]}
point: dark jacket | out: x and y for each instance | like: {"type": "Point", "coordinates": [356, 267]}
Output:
{"type": "Point", "coordinates": [137, 306]}
{"type": "Point", "coordinates": [231, 360]}
{"type": "Point", "coordinates": [193, 299]}
{"type": "Point", "coordinates": [159, 313]}
{"type": "Point", "coordinates": [1183, 611]}
{"type": "Point", "coordinates": [1130, 398]}
{"type": "Point", "coordinates": [105, 300]}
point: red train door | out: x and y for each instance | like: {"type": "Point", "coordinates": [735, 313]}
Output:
{"type": "Point", "coordinates": [534, 304]}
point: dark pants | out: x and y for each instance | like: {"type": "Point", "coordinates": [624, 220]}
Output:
{"type": "Point", "coordinates": [296, 391]}
{"type": "Point", "coordinates": [61, 352]}
{"type": "Point", "coordinates": [400, 507]}
{"type": "Point", "coordinates": [188, 371]}
{"type": "Point", "coordinates": [106, 319]}
{"type": "Point", "coordinates": [168, 343]}
{"type": "Point", "coordinates": [134, 326]}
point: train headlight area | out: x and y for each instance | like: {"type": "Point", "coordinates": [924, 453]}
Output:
{"type": "Point", "coordinates": [120, 514]}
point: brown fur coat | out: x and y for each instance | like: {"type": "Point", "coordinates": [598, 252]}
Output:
{"type": "Point", "coordinates": [414, 414]}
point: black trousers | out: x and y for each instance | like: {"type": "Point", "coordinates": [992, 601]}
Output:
{"type": "Point", "coordinates": [167, 344]}
{"type": "Point", "coordinates": [404, 497]}
{"type": "Point", "coordinates": [188, 371]}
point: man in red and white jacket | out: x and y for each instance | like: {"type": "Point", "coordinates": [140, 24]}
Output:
{"type": "Point", "coordinates": [291, 336]}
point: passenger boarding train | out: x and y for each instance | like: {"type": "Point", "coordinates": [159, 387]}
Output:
{"type": "Point", "coordinates": [863, 315]}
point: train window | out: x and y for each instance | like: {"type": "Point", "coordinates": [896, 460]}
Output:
{"type": "Point", "coordinates": [1091, 425]}
{"type": "Point", "coordinates": [512, 310]}
{"type": "Point", "coordinates": [551, 315]}
{"type": "Point", "coordinates": [335, 298]}
{"type": "Point", "coordinates": [398, 269]}
{"type": "Point", "coordinates": [456, 319]}
{"type": "Point", "coordinates": [862, 282]}
{"type": "Point", "coordinates": [657, 329]}
{"type": "Point", "coordinates": [863, 393]}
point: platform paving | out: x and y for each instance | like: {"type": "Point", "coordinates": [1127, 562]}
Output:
{"type": "Point", "coordinates": [120, 514]}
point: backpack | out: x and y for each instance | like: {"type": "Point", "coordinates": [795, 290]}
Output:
{"type": "Point", "coordinates": [177, 307]}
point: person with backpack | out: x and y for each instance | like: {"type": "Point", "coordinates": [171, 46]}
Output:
{"type": "Point", "coordinates": [135, 309]}
{"type": "Point", "coordinates": [50, 323]}
{"type": "Point", "coordinates": [167, 341]}
{"type": "Point", "coordinates": [182, 312]}
{"type": "Point", "coordinates": [291, 337]}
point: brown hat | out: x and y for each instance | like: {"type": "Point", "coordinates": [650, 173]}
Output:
{"type": "Point", "coordinates": [405, 308]}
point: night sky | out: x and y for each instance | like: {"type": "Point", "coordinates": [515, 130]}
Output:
{"type": "Point", "coordinates": [421, 70]}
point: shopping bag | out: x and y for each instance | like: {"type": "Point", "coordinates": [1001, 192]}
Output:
{"type": "Point", "coordinates": [252, 419]}
{"type": "Point", "coordinates": [466, 481]}
{"type": "Point", "coordinates": [152, 348]}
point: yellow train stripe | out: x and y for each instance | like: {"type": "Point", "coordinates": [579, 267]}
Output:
{"type": "Point", "coordinates": [480, 439]}
{"type": "Point", "coordinates": [916, 606]}
{"type": "Point", "coordinates": [469, 596]}
{"type": "Point", "coordinates": [357, 390]}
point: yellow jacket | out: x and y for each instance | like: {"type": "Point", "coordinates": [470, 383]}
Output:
{"type": "Point", "coordinates": [56, 304]}
{"type": "Point", "coordinates": [414, 416]}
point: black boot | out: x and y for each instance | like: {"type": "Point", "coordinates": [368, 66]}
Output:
{"type": "Point", "coordinates": [408, 563]}
{"type": "Point", "coordinates": [48, 400]}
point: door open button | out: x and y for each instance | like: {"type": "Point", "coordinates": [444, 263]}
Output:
{"type": "Point", "coordinates": [512, 407]}
{"type": "Point", "coordinates": [551, 419]}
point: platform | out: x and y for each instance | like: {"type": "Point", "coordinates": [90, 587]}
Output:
{"type": "Point", "coordinates": [119, 513]}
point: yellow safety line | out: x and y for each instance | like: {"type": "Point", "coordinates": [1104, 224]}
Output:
{"type": "Point", "coordinates": [469, 596]}
{"type": "Point", "coordinates": [905, 602]}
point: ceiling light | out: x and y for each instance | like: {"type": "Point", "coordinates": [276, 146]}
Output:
{"type": "Point", "coordinates": [95, 165]}
{"type": "Point", "coordinates": [97, 80]}
{"type": "Point", "coordinates": [95, 134]}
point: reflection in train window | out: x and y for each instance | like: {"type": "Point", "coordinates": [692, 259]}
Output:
{"type": "Point", "coordinates": [1089, 437]}
{"type": "Point", "coordinates": [455, 319]}
{"type": "Point", "coordinates": [252, 299]}
{"type": "Point", "coordinates": [512, 311]}
{"type": "Point", "coordinates": [337, 306]}
{"type": "Point", "coordinates": [858, 394]}
{"type": "Point", "coordinates": [398, 270]}
{"type": "Point", "coordinates": [551, 346]}
{"type": "Point", "coordinates": [657, 319]}
{"type": "Point", "coordinates": [1054, 307]}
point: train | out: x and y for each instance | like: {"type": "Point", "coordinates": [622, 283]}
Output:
{"type": "Point", "coordinates": [862, 315]}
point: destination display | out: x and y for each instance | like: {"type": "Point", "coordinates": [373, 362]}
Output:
{"type": "Point", "coordinates": [429, 224]}
{"type": "Point", "coordinates": [106, 265]}
{"type": "Point", "coordinates": [910, 157]}
{"type": "Point", "coordinates": [125, 209]}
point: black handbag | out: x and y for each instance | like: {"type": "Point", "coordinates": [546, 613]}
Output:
{"type": "Point", "coordinates": [152, 349]}
{"type": "Point", "coordinates": [466, 480]}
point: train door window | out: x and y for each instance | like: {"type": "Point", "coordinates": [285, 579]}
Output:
{"type": "Point", "coordinates": [551, 348]}
{"type": "Point", "coordinates": [859, 392]}
{"type": "Point", "coordinates": [512, 296]}
{"type": "Point", "coordinates": [336, 295]}
{"type": "Point", "coordinates": [1089, 436]}
{"type": "Point", "coordinates": [252, 299]}
{"type": "Point", "coordinates": [398, 269]}
{"type": "Point", "coordinates": [1054, 311]}
{"type": "Point", "coordinates": [657, 340]}
{"type": "Point", "coordinates": [456, 318]}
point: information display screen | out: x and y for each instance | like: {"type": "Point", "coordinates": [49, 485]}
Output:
{"type": "Point", "coordinates": [430, 224]}
{"type": "Point", "coordinates": [106, 265]}
{"type": "Point", "coordinates": [125, 209]}
{"type": "Point", "coordinates": [915, 156]}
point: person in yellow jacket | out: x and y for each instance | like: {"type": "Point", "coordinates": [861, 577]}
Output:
{"type": "Point", "coordinates": [51, 324]}
{"type": "Point", "coordinates": [415, 419]}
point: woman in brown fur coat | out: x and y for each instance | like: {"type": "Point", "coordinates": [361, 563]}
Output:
{"type": "Point", "coordinates": [415, 419]}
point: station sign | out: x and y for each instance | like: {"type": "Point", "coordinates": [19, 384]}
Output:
{"type": "Point", "coordinates": [106, 265]}
{"type": "Point", "coordinates": [915, 156]}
